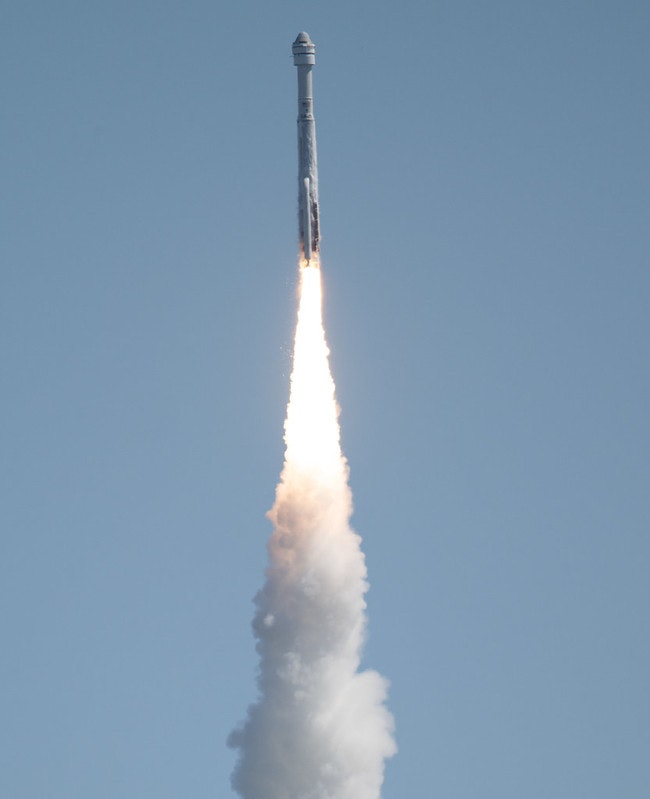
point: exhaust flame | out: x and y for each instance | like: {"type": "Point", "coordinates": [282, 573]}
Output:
{"type": "Point", "coordinates": [320, 729]}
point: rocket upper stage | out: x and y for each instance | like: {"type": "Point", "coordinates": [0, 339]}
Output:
{"type": "Point", "coordinates": [304, 58]}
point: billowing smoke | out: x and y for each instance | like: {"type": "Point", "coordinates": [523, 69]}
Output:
{"type": "Point", "coordinates": [320, 729]}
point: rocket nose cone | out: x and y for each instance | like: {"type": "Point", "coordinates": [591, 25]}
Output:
{"type": "Point", "coordinates": [303, 50]}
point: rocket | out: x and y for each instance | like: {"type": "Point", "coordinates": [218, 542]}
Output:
{"type": "Point", "coordinates": [304, 58]}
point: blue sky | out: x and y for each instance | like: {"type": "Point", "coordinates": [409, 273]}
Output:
{"type": "Point", "coordinates": [484, 186]}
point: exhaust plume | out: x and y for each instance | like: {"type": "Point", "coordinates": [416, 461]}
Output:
{"type": "Point", "coordinates": [319, 729]}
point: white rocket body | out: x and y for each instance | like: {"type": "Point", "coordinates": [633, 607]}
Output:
{"type": "Point", "coordinates": [304, 59]}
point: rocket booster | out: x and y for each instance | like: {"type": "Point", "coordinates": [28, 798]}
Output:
{"type": "Point", "coordinates": [304, 58]}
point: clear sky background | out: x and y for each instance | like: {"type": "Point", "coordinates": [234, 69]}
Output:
{"type": "Point", "coordinates": [484, 180]}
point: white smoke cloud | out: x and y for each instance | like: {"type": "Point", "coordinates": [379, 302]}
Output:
{"type": "Point", "coordinates": [320, 729]}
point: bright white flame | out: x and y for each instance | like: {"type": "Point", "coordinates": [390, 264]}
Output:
{"type": "Point", "coordinates": [311, 428]}
{"type": "Point", "coordinates": [320, 729]}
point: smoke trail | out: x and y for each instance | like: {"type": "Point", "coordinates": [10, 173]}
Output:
{"type": "Point", "coordinates": [319, 729]}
